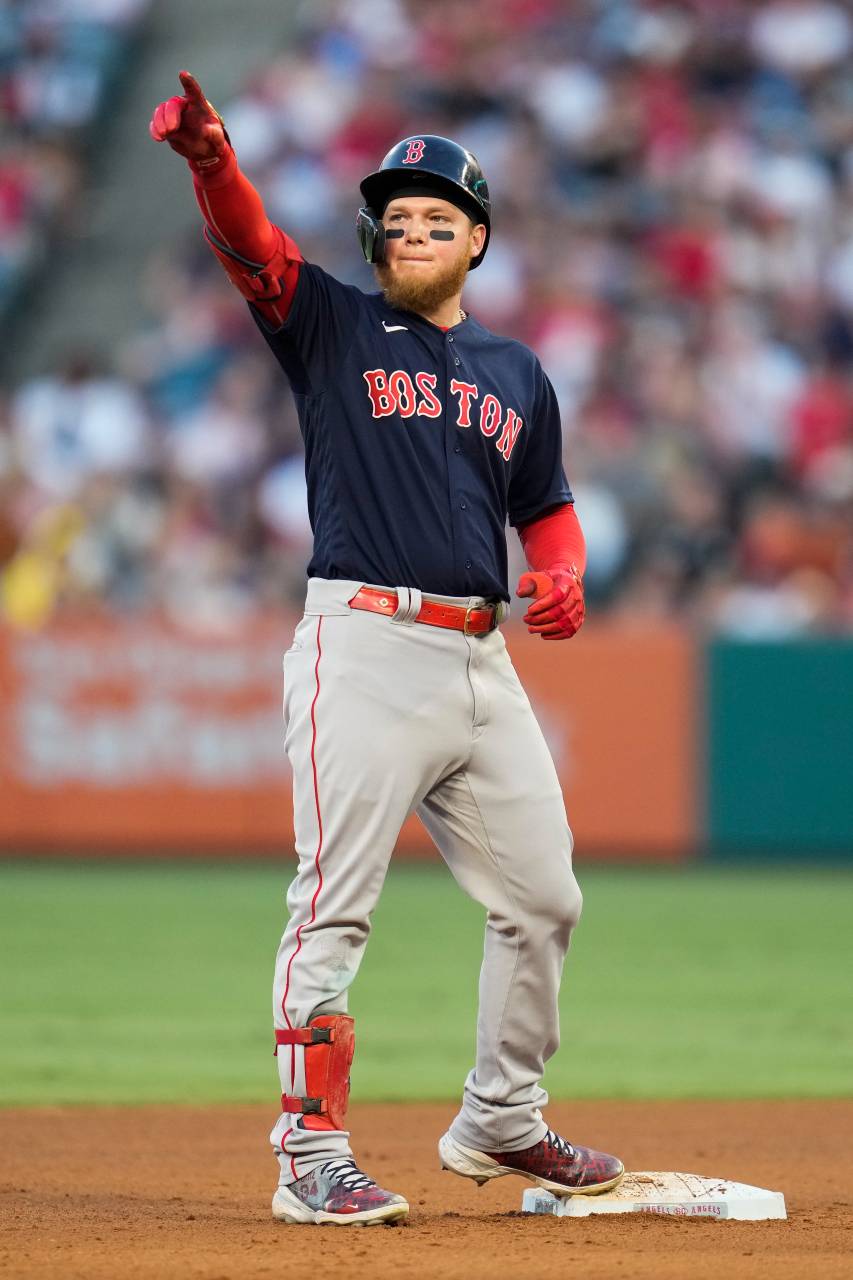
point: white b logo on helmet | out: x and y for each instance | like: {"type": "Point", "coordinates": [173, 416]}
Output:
{"type": "Point", "coordinates": [415, 151]}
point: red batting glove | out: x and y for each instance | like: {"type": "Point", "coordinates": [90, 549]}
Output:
{"type": "Point", "coordinates": [190, 125]}
{"type": "Point", "coordinates": [558, 609]}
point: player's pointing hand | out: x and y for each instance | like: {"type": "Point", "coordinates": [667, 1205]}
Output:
{"type": "Point", "coordinates": [190, 125]}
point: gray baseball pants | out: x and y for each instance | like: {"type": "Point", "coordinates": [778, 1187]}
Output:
{"type": "Point", "coordinates": [384, 716]}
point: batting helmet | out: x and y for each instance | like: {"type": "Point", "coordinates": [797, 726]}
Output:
{"type": "Point", "coordinates": [437, 165]}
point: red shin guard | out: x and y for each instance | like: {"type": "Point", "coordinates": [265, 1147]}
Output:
{"type": "Point", "coordinates": [329, 1042]}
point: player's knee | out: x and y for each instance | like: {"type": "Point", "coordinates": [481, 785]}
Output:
{"type": "Point", "coordinates": [573, 902]}
{"type": "Point", "coordinates": [564, 900]}
{"type": "Point", "coordinates": [550, 905]}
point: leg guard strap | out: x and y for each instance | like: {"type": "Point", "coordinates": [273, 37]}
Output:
{"type": "Point", "coordinates": [304, 1035]}
{"type": "Point", "coordinates": [304, 1106]}
{"type": "Point", "coordinates": [329, 1042]}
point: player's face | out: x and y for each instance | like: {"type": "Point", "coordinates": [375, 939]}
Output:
{"type": "Point", "coordinates": [429, 261]}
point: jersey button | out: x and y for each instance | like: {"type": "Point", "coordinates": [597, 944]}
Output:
{"type": "Point", "coordinates": [457, 448]}
{"type": "Point", "coordinates": [456, 361]}
{"type": "Point", "coordinates": [463, 506]}
{"type": "Point", "coordinates": [467, 564]}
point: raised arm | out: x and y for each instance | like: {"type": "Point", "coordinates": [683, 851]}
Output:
{"type": "Point", "coordinates": [260, 260]}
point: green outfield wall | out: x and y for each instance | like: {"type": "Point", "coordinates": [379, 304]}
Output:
{"type": "Point", "coordinates": [779, 762]}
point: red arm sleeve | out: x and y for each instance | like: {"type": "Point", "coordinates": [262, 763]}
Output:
{"type": "Point", "coordinates": [259, 258]}
{"type": "Point", "coordinates": [554, 539]}
{"type": "Point", "coordinates": [233, 210]}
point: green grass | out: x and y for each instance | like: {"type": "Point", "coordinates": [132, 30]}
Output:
{"type": "Point", "coordinates": [151, 983]}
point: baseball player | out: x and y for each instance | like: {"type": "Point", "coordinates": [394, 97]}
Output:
{"type": "Point", "coordinates": [423, 433]}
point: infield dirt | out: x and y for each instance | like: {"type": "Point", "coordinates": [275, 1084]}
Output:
{"type": "Point", "coordinates": [180, 1192]}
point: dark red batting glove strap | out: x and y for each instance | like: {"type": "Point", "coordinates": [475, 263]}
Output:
{"type": "Point", "coordinates": [554, 539]}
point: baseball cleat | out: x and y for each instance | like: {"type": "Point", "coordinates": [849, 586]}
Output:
{"type": "Point", "coordinates": [553, 1163]}
{"type": "Point", "coordinates": [338, 1192]}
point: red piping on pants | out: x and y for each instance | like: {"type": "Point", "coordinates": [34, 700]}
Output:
{"type": "Point", "coordinates": [316, 863]}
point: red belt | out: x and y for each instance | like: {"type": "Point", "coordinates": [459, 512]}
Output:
{"type": "Point", "coordinates": [472, 621]}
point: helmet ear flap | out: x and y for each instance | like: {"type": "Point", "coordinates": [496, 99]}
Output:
{"type": "Point", "coordinates": [371, 235]}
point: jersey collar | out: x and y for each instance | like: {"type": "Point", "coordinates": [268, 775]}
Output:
{"type": "Point", "coordinates": [416, 315]}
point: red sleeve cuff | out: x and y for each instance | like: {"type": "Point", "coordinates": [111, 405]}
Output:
{"type": "Point", "coordinates": [215, 174]}
{"type": "Point", "coordinates": [554, 539]}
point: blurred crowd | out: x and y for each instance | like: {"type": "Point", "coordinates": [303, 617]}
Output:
{"type": "Point", "coordinates": [672, 186]}
{"type": "Point", "coordinates": [58, 59]}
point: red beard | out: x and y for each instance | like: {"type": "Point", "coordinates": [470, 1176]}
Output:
{"type": "Point", "coordinates": [414, 294]}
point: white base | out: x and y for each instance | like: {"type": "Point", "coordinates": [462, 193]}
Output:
{"type": "Point", "coordinates": [685, 1195]}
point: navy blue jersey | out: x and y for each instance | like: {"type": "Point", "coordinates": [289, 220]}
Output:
{"type": "Point", "coordinates": [418, 443]}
